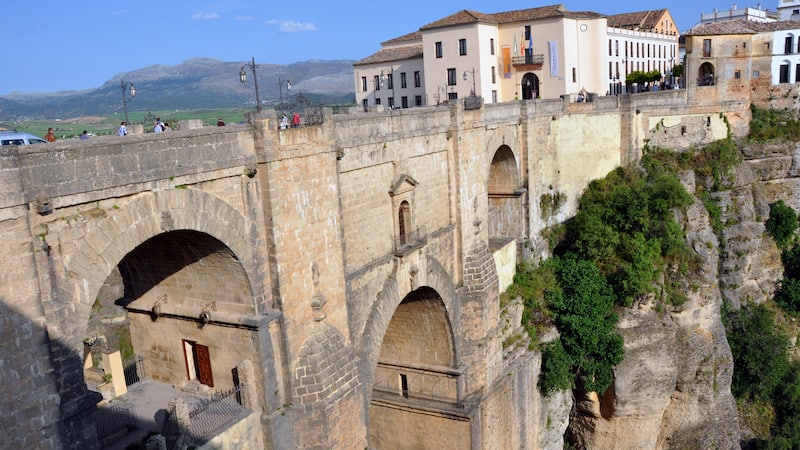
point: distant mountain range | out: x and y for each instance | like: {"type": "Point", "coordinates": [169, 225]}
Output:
{"type": "Point", "coordinates": [199, 83]}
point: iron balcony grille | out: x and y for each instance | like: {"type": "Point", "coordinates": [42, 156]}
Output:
{"type": "Point", "coordinates": [527, 60]}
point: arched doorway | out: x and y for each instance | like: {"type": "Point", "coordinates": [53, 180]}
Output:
{"type": "Point", "coordinates": [530, 86]}
{"type": "Point", "coordinates": [416, 379]}
{"type": "Point", "coordinates": [705, 76]}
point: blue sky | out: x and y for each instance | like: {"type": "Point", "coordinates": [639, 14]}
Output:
{"type": "Point", "coordinates": [55, 45]}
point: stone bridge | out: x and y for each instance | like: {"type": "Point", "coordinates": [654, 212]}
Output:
{"type": "Point", "coordinates": [357, 264]}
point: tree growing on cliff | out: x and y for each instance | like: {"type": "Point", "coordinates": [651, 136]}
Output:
{"type": "Point", "coordinates": [759, 352]}
{"type": "Point", "coordinates": [582, 303]}
{"type": "Point", "coordinates": [625, 225]}
{"type": "Point", "coordinates": [782, 224]}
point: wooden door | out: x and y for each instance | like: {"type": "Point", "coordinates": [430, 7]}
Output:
{"type": "Point", "coordinates": [204, 365]}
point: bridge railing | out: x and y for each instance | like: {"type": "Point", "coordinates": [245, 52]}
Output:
{"type": "Point", "coordinates": [206, 419]}
{"type": "Point", "coordinates": [114, 422]}
{"type": "Point", "coordinates": [412, 240]}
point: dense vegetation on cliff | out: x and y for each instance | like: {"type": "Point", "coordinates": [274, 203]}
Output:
{"type": "Point", "coordinates": [766, 380]}
{"type": "Point", "coordinates": [625, 245]}
{"type": "Point", "coordinates": [614, 251]}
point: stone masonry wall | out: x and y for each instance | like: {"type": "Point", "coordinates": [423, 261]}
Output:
{"type": "Point", "coordinates": [307, 213]}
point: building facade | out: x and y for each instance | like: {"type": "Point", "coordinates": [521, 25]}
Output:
{"type": "Point", "coordinates": [392, 77]}
{"type": "Point", "coordinates": [788, 9]}
{"type": "Point", "coordinates": [546, 52]}
{"type": "Point", "coordinates": [743, 59]}
{"type": "Point", "coordinates": [641, 41]}
{"type": "Point", "coordinates": [747, 13]}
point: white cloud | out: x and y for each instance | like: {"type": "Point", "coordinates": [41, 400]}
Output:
{"type": "Point", "coordinates": [290, 26]}
{"type": "Point", "coordinates": [205, 16]}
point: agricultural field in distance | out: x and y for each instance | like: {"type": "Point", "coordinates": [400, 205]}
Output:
{"type": "Point", "coordinates": [69, 128]}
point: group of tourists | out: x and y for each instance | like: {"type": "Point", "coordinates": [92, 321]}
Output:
{"type": "Point", "coordinates": [51, 135]}
{"type": "Point", "coordinates": [285, 121]}
{"type": "Point", "coordinates": [159, 126]}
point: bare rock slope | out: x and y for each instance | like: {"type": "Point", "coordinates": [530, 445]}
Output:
{"type": "Point", "coordinates": [673, 388]}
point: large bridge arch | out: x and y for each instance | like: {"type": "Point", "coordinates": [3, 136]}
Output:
{"type": "Point", "coordinates": [90, 257]}
{"type": "Point", "coordinates": [412, 366]}
{"type": "Point", "coordinates": [107, 241]}
{"type": "Point", "coordinates": [368, 344]}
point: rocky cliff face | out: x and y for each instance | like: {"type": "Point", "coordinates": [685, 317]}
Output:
{"type": "Point", "coordinates": [673, 388]}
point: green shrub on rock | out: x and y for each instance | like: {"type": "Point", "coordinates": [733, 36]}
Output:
{"type": "Point", "coordinates": [782, 224]}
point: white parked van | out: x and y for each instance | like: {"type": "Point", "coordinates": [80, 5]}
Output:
{"type": "Point", "coordinates": [17, 138]}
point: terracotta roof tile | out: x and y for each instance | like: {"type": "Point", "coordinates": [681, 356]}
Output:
{"type": "Point", "coordinates": [522, 15]}
{"type": "Point", "coordinates": [414, 36]}
{"type": "Point", "coordinates": [643, 20]}
{"type": "Point", "coordinates": [460, 18]}
{"type": "Point", "coordinates": [465, 17]}
{"type": "Point", "coordinates": [741, 26]}
{"type": "Point", "coordinates": [392, 54]}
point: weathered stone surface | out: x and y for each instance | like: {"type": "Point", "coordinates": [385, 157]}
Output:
{"type": "Point", "coordinates": [250, 242]}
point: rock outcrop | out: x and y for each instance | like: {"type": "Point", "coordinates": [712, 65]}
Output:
{"type": "Point", "coordinates": [673, 388]}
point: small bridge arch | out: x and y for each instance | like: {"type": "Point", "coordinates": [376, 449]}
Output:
{"type": "Point", "coordinates": [505, 196]}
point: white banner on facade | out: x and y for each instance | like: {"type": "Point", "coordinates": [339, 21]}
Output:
{"type": "Point", "coordinates": [553, 46]}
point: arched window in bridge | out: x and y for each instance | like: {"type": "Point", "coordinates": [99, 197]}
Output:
{"type": "Point", "coordinates": [404, 223]}
{"type": "Point", "coordinates": [407, 234]}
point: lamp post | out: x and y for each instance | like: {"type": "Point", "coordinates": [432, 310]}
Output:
{"type": "Point", "coordinates": [391, 84]}
{"type": "Point", "coordinates": [243, 78]}
{"type": "Point", "coordinates": [379, 79]}
{"type": "Point", "coordinates": [280, 90]}
{"type": "Point", "coordinates": [126, 86]}
{"type": "Point", "coordinates": [473, 80]}
{"type": "Point", "coordinates": [671, 74]}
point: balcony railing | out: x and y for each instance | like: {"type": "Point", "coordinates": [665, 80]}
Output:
{"type": "Point", "coordinates": [410, 241]}
{"type": "Point", "coordinates": [527, 60]}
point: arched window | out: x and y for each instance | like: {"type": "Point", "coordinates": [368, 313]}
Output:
{"type": "Point", "coordinates": [407, 235]}
{"type": "Point", "coordinates": [404, 223]}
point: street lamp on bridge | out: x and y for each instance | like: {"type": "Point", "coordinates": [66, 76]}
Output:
{"type": "Point", "coordinates": [280, 90]}
{"type": "Point", "coordinates": [473, 80]}
{"type": "Point", "coordinates": [243, 78]}
{"type": "Point", "coordinates": [126, 86]}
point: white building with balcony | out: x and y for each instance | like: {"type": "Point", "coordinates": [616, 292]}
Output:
{"type": "Point", "coordinates": [786, 54]}
{"type": "Point", "coordinates": [546, 52]}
